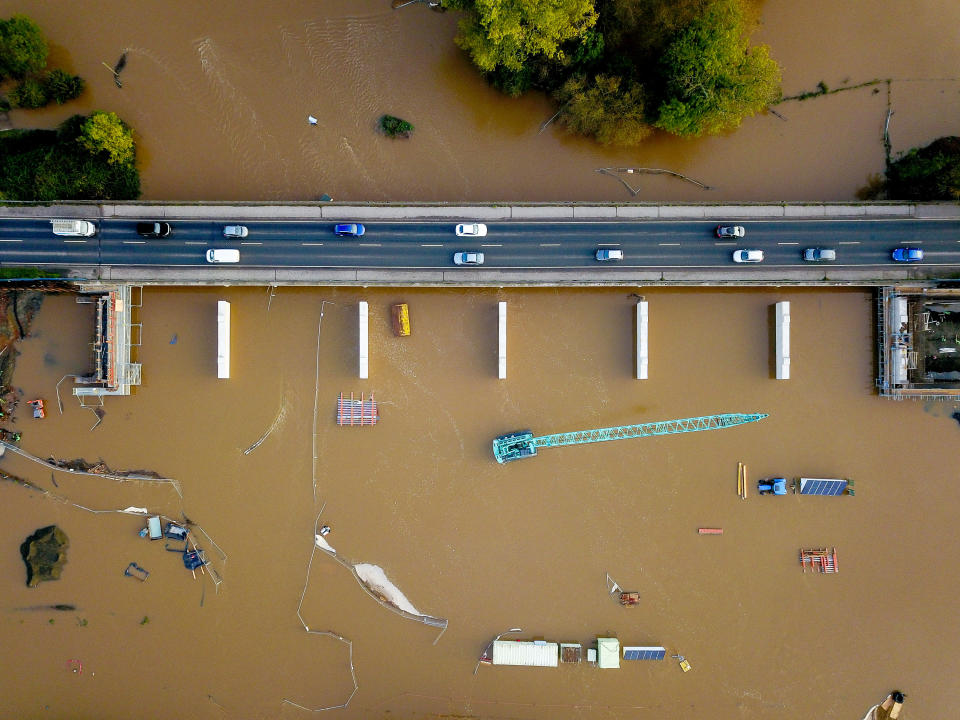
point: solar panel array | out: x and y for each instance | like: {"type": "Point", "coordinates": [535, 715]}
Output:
{"type": "Point", "coordinates": [644, 653]}
{"type": "Point", "coordinates": [816, 486]}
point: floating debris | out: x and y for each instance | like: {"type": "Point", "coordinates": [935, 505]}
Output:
{"type": "Point", "coordinates": [45, 553]}
{"type": "Point", "coordinates": [135, 571]}
{"type": "Point", "coordinates": [820, 560]}
{"type": "Point", "coordinates": [710, 531]}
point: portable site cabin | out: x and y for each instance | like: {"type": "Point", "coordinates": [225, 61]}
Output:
{"type": "Point", "coordinates": [608, 653]}
{"type": "Point", "coordinates": [536, 653]}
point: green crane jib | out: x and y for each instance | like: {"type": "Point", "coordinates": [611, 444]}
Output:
{"type": "Point", "coordinates": [521, 444]}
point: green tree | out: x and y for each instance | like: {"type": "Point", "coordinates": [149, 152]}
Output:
{"type": "Point", "coordinates": [607, 107]}
{"type": "Point", "coordinates": [106, 132]}
{"type": "Point", "coordinates": [61, 86]}
{"type": "Point", "coordinates": [29, 93]}
{"type": "Point", "coordinates": [505, 33]}
{"type": "Point", "coordinates": [712, 78]}
{"type": "Point", "coordinates": [927, 173]}
{"type": "Point", "coordinates": [23, 49]}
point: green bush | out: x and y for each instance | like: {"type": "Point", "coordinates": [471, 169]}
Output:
{"type": "Point", "coordinates": [395, 127]}
{"type": "Point", "coordinates": [62, 87]}
{"type": "Point", "coordinates": [29, 93]}
{"type": "Point", "coordinates": [927, 173]}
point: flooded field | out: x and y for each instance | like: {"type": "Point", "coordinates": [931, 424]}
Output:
{"type": "Point", "coordinates": [489, 547]}
{"type": "Point", "coordinates": [219, 95]}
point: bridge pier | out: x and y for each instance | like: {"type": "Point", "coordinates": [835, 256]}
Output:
{"type": "Point", "coordinates": [502, 341]}
{"type": "Point", "coordinates": [642, 350]}
{"type": "Point", "coordinates": [364, 338]}
{"type": "Point", "coordinates": [782, 312]}
{"type": "Point", "coordinates": [223, 339]}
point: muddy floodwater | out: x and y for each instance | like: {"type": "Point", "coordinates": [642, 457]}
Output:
{"type": "Point", "coordinates": [219, 95]}
{"type": "Point", "coordinates": [487, 546]}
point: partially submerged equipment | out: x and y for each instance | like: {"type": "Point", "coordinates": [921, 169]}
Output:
{"type": "Point", "coordinates": [400, 314]}
{"type": "Point", "coordinates": [823, 486]}
{"type": "Point", "coordinates": [530, 653]}
{"type": "Point", "coordinates": [522, 443]}
{"type": "Point", "coordinates": [772, 486]}
{"type": "Point", "coordinates": [608, 653]}
{"type": "Point", "coordinates": [644, 652]}
{"type": "Point", "coordinates": [135, 571]}
{"type": "Point", "coordinates": [38, 411]}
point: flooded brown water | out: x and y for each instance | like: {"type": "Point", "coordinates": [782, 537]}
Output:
{"type": "Point", "coordinates": [487, 546]}
{"type": "Point", "coordinates": [219, 95]}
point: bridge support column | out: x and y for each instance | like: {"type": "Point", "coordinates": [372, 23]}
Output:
{"type": "Point", "coordinates": [642, 351]}
{"type": "Point", "coordinates": [364, 348]}
{"type": "Point", "coordinates": [502, 341]}
{"type": "Point", "coordinates": [223, 339]}
{"type": "Point", "coordinates": [782, 313]}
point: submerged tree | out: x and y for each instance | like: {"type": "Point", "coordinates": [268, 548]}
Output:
{"type": "Point", "coordinates": [606, 107]}
{"type": "Point", "coordinates": [106, 132]}
{"type": "Point", "coordinates": [505, 33]}
{"type": "Point", "coordinates": [713, 79]}
{"type": "Point", "coordinates": [927, 173]}
{"type": "Point", "coordinates": [23, 49]}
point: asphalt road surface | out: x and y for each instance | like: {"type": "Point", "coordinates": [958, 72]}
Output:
{"type": "Point", "coordinates": [525, 245]}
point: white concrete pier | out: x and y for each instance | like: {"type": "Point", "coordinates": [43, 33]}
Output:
{"type": "Point", "coordinates": [223, 339]}
{"type": "Point", "coordinates": [502, 345]}
{"type": "Point", "coordinates": [783, 340]}
{"type": "Point", "coordinates": [364, 339]}
{"type": "Point", "coordinates": [642, 350]}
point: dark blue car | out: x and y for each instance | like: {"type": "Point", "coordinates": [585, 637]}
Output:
{"type": "Point", "coordinates": [908, 254]}
{"type": "Point", "coordinates": [349, 230]}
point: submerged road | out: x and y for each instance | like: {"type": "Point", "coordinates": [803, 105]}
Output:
{"type": "Point", "coordinates": [508, 245]}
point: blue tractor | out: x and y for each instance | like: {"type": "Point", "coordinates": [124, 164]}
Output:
{"type": "Point", "coordinates": [772, 486]}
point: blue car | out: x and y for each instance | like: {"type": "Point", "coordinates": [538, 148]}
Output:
{"type": "Point", "coordinates": [908, 254]}
{"type": "Point", "coordinates": [349, 230]}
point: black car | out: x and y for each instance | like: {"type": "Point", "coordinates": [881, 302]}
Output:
{"type": "Point", "coordinates": [153, 229]}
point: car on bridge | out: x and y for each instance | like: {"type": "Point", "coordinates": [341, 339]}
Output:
{"type": "Point", "coordinates": [223, 255]}
{"type": "Point", "coordinates": [819, 255]}
{"type": "Point", "coordinates": [747, 256]}
{"type": "Point", "coordinates": [730, 231]}
{"type": "Point", "coordinates": [349, 230]}
{"type": "Point", "coordinates": [471, 230]}
{"type": "Point", "coordinates": [604, 254]}
{"type": "Point", "coordinates": [235, 231]}
{"type": "Point", "coordinates": [153, 229]}
{"type": "Point", "coordinates": [908, 255]}
{"type": "Point", "coordinates": [468, 258]}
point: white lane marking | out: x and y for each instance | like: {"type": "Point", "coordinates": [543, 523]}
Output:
{"type": "Point", "coordinates": [74, 241]}
{"type": "Point", "coordinates": [134, 242]}
{"type": "Point", "coordinates": [788, 243]}
{"type": "Point", "coordinates": [724, 243]}
{"type": "Point", "coordinates": [608, 244]}
{"type": "Point", "coordinates": [431, 244]}
{"type": "Point", "coordinates": [485, 245]}
{"type": "Point", "coordinates": [16, 240]}
{"type": "Point", "coordinates": [668, 244]}
{"type": "Point", "coordinates": [854, 242]}
{"type": "Point", "coordinates": [250, 242]}
{"type": "Point", "coordinates": [910, 242]}
{"type": "Point", "coordinates": [369, 244]}
{"type": "Point", "coordinates": [309, 244]}
{"type": "Point", "coordinates": [193, 242]}
{"type": "Point", "coordinates": [549, 244]}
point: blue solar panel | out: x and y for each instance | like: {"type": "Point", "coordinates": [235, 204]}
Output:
{"type": "Point", "coordinates": [816, 486]}
{"type": "Point", "coordinates": [644, 653]}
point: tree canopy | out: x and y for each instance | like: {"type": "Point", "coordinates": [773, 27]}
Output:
{"type": "Point", "coordinates": [505, 33]}
{"type": "Point", "coordinates": [713, 78]}
{"type": "Point", "coordinates": [927, 173]}
{"type": "Point", "coordinates": [606, 107]}
{"type": "Point", "coordinates": [23, 49]}
{"type": "Point", "coordinates": [106, 132]}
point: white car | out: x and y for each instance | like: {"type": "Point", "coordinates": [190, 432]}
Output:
{"type": "Point", "coordinates": [747, 256]}
{"type": "Point", "coordinates": [468, 258]}
{"type": "Point", "coordinates": [235, 231]}
{"type": "Point", "coordinates": [604, 255]}
{"type": "Point", "coordinates": [471, 230]}
{"type": "Point", "coordinates": [223, 255]}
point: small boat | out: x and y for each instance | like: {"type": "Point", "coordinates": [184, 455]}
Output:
{"type": "Point", "coordinates": [401, 319]}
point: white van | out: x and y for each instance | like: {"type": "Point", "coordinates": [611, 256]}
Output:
{"type": "Point", "coordinates": [223, 255]}
{"type": "Point", "coordinates": [73, 228]}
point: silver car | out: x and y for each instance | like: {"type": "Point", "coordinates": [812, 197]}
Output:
{"type": "Point", "coordinates": [468, 258]}
{"type": "Point", "coordinates": [235, 231]}
{"type": "Point", "coordinates": [747, 256]}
